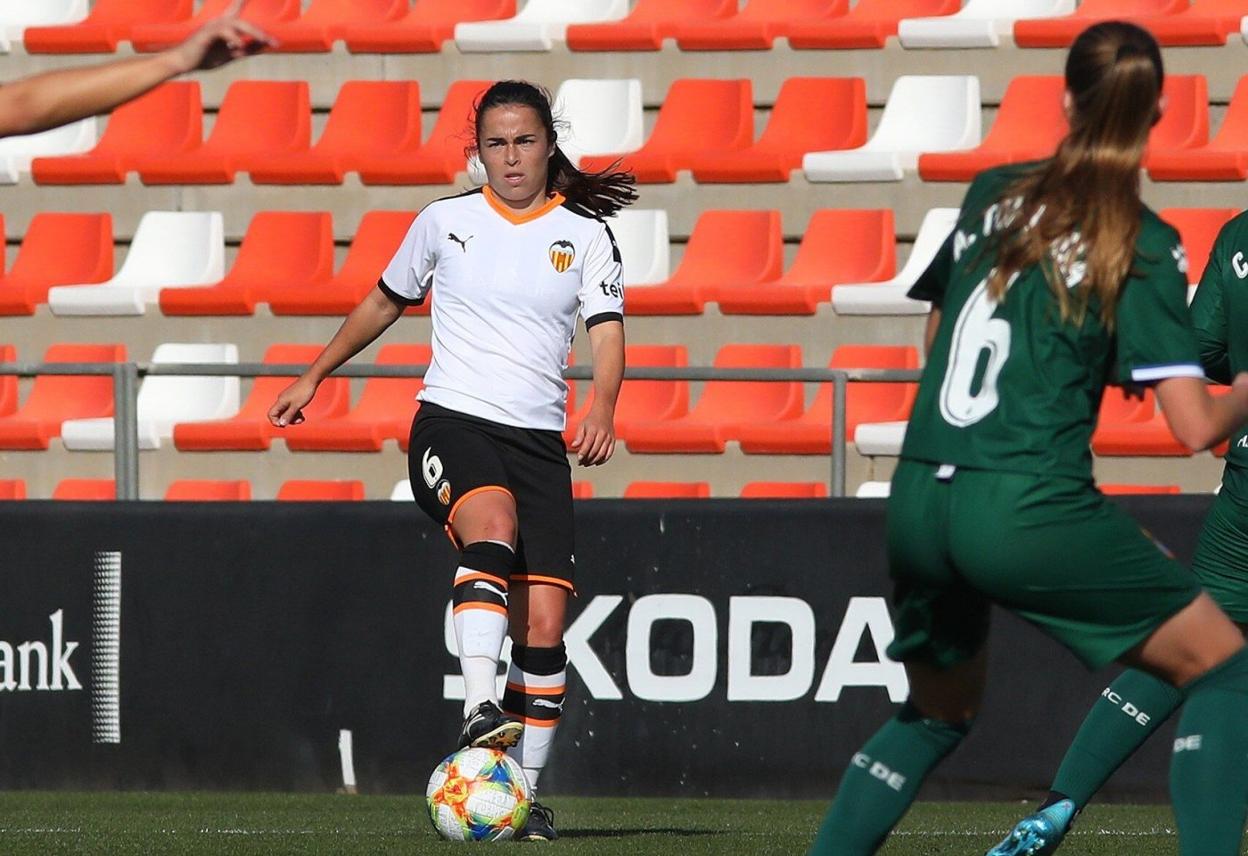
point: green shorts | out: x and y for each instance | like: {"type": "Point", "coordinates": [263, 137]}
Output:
{"type": "Point", "coordinates": [1052, 550]}
{"type": "Point", "coordinates": [1221, 561]}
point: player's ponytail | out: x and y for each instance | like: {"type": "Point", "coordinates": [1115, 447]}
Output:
{"type": "Point", "coordinates": [1080, 211]}
{"type": "Point", "coordinates": [602, 194]}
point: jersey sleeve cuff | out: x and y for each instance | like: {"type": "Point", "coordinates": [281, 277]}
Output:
{"type": "Point", "coordinates": [1153, 374]}
{"type": "Point", "coordinates": [595, 320]}
{"type": "Point", "coordinates": [396, 297]}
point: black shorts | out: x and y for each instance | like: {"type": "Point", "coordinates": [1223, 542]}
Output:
{"type": "Point", "coordinates": [453, 456]}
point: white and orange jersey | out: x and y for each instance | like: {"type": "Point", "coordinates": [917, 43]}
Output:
{"type": "Point", "coordinates": [507, 291]}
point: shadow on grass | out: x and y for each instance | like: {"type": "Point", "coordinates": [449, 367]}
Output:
{"type": "Point", "coordinates": [646, 830]}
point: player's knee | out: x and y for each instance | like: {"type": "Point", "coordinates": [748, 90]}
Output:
{"type": "Point", "coordinates": [540, 631]}
{"type": "Point", "coordinates": [953, 711]}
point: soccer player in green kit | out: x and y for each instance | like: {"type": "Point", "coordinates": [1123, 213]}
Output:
{"type": "Point", "coordinates": [1136, 703]}
{"type": "Point", "coordinates": [1056, 281]}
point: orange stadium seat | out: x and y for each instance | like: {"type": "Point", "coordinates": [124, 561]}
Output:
{"type": "Point", "coordinates": [757, 26]}
{"type": "Point", "coordinates": [307, 490]}
{"type": "Point", "coordinates": [811, 114]}
{"type": "Point", "coordinates": [325, 22]}
{"type": "Point", "coordinates": [1198, 228]}
{"type": "Point", "coordinates": [1129, 489]}
{"type": "Point", "coordinates": [258, 119]}
{"type": "Point", "coordinates": [250, 430]}
{"type": "Point", "coordinates": [208, 490]}
{"type": "Point", "coordinates": [12, 489]}
{"type": "Point", "coordinates": [667, 490]}
{"type": "Point", "coordinates": [838, 246]}
{"type": "Point", "coordinates": [867, 25]}
{"type": "Point", "coordinates": [643, 401]}
{"type": "Point", "coordinates": [8, 383]}
{"type": "Point", "coordinates": [441, 157]}
{"type": "Point", "coordinates": [697, 116]}
{"type": "Point", "coordinates": [55, 398]}
{"type": "Point", "coordinates": [425, 27]}
{"type": "Point", "coordinates": [647, 26]}
{"type": "Point", "coordinates": [384, 411]}
{"type": "Point", "coordinates": [376, 239]}
{"type": "Point", "coordinates": [784, 490]}
{"type": "Point", "coordinates": [57, 249]}
{"type": "Point", "coordinates": [733, 249]}
{"type": "Point", "coordinates": [1130, 426]}
{"type": "Point", "coordinates": [811, 432]}
{"type": "Point", "coordinates": [1184, 124]}
{"type": "Point", "coordinates": [263, 13]}
{"type": "Point", "coordinates": [369, 117]}
{"type": "Point", "coordinates": [1223, 158]}
{"type": "Point", "coordinates": [727, 408]}
{"type": "Point", "coordinates": [90, 490]}
{"type": "Point", "coordinates": [169, 119]}
{"type": "Point", "coordinates": [1061, 31]}
{"type": "Point", "coordinates": [582, 490]}
{"type": "Point", "coordinates": [109, 22]}
{"type": "Point", "coordinates": [279, 248]}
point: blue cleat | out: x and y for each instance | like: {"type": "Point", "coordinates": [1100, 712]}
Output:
{"type": "Point", "coordinates": [1038, 834]}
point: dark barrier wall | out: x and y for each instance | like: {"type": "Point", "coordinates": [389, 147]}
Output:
{"type": "Point", "coordinates": [722, 647]}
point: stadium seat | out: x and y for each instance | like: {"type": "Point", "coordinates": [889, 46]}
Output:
{"type": "Point", "coordinates": [1029, 125]}
{"type": "Point", "coordinates": [108, 23]}
{"type": "Point", "coordinates": [169, 119]}
{"type": "Point", "coordinates": [647, 26]}
{"type": "Point", "coordinates": [250, 429]}
{"type": "Point", "coordinates": [978, 24]}
{"type": "Point", "coordinates": [889, 298]}
{"type": "Point", "coordinates": [642, 402]}
{"type": "Point", "coordinates": [667, 490]}
{"type": "Point", "coordinates": [208, 490]}
{"type": "Point", "coordinates": [810, 114]}
{"type": "Point", "coordinates": [810, 433]}
{"type": "Point", "coordinates": [307, 490]}
{"type": "Point", "coordinates": [1223, 158]}
{"type": "Point", "coordinates": [537, 26]}
{"type": "Point", "coordinates": [726, 249]}
{"type": "Point", "coordinates": [1198, 228]}
{"type": "Point", "coordinates": [166, 399]}
{"type": "Point", "coordinates": [784, 490]}
{"type": "Point", "coordinates": [376, 240]}
{"type": "Point", "coordinates": [280, 247]}
{"type": "Point", "coordinates": [56, 398]}
{"type": "Point", "coordinates": [15, 18]}
{"type": "Point", "coordinates": [582, 490]}
{"type": "Point", "coordinates": [1184, 124]}
{"type": "Point", "coordinates": [1133, 426]}
{"type": "Point", "coordinates": [642, 238]}
{"type": "Point", "coordinates": [838, 246]}
{"type": "Point", "coordinates": [867, 25]}
{"type": "Point", "coordinates": [1060, 32]}
{"type": "Point", "coordinates": [425, 27]}
{"type": "Point", "coordinates": [873, 490]}
{"type": "Point", "coordinates": [726, 407]}
{"type": "Point", "coordinates": [263, 13]}
{"type": "Point", "coordinates": [57, 249]}
{"type": "Point", "coordinates": [85, 490]}
{"type": "Point", "coordinates": [8, 383]}
{"type": "Point", "coordinates": [601, 116]}
{"type": "Point", "coordinates": [17, 153]}
{"type": "Point", "coordinates": [696, 118]}
{"type": "Point", "coordinates": [258, 119]}
{"type": "Point", "coordinates": [402, 492]}
{"type": "Point", "coordinates": [324, 22]}
{"type": "Point", "coordinates": [170, 249]}
{"type": "Point", "coordinates": [369, 118]}
{"type": "Point", "coordinates": [441, 157]}
{"type": "Point", "coordinates": [384, 411]}
{"type": "Point", "coordinates": [12, 489]}
{"type": "Point", "coordinates": [756, 26]}
{"type": "Point", "coordinates": [1131, 489]}
{"type": "Point", "coordinates": [873, 439]}
{"type": "Point", "coordinates": [923, 114]}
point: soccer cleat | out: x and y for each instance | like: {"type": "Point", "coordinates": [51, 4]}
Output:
{"type": "Point", "coordinates": [1038, 834]}
{"type": "Point", "coordinates": [488, 727]}
{"type": "Point", "coordinates": [540, 825]}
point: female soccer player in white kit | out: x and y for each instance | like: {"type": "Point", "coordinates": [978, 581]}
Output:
{"type": "Point", "coordinates": [511, 265]}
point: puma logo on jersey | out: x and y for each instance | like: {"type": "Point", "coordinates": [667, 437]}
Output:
{"type": "Point", "coordinates": [463, 242]}
{"type": "Point", "coordinates": [1241, 267]}
{"type": "Point", "coordinates": [541, 702]}
{"type": "Point", "coordinates": [492, 589]}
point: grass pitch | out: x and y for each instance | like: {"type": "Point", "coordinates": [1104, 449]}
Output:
{"type": "Point", "coordinates": [42, 824]}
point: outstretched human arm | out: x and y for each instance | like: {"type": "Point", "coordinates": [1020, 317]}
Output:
{"type": "Point", "coordinates": [595, 439]}
{"type": "Point", "coordinates": [1197, 419]}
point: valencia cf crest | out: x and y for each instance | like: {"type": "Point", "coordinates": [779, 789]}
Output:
{"type": "Point", "coordinates": [562, 254]}
{"type": "Point", "coordinates": [444, 492]}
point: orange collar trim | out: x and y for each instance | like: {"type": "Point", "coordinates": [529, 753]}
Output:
{"type": "Point", "coordinates": [509, 214]}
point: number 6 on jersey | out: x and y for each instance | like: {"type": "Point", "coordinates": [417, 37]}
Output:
{"type": "Point", "coordinates": [975, 332]}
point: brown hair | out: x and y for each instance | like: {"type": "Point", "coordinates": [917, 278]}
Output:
{"type": "Point", "coordinates": [601, 194]}
{"type": "Point", "coordinates": [1091, 186]}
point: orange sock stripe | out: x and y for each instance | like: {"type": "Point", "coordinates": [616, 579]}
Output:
{"type": "Point", "coordinates": [537, 578]}
{"type": "Point", "coordinates": [539, 691]}
{"type": "Point", "coordinates": [530, 722]}
{"type": "Point", "coordinates": [489, 607]}
{"type": "Point", "coordinates": [481, 575]}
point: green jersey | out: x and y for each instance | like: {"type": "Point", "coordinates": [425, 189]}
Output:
{"type": "Point", "coordinates": [1009, 385]}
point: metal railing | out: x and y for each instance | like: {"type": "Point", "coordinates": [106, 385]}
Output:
{"type": "Point", "coordinates": [126, 385]}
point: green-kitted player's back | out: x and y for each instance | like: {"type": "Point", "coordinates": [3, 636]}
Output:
{"type": "Point", "coordinates": [1010, 386]}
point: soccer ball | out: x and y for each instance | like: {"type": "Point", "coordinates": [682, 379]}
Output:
{"type": "Point", "coordinates": [478, 795]}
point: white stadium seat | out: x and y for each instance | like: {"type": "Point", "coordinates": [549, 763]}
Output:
{"type": "Point", "coordinates": [601, 116]}
{"type": "Point", "coordinates": [171, 249]}
{"type": "Point", "coordinates": [873, 490]}
{"type": "Point", "coordinates": [924, 113]}
{"type": "Point", "coordinates": [402, 492]}
{"type": "Point", "coordinates": [879, 438]}
{"type": "Point", "coordinates": [537, 26]}
{"type": "Point", "coordinates": [889, 298]}
{"type": "Point", "coordinates": [166, 399]}
{"type": "Point", "coordinates": [16, 153]}
{"type": "Point", "coordinates": [644, 245]}
{"type": "Point", "coordinates": [17, 15]}
{"type": "Point", "coordinates": [979, 24]}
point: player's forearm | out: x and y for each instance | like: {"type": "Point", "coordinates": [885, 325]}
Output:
{"type": "Point", "coordinates": [608, 353]}
{"type": "Point", "coordinates": [1197, 419]}
{"type": "Point", "coordinates": [374, 314]}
